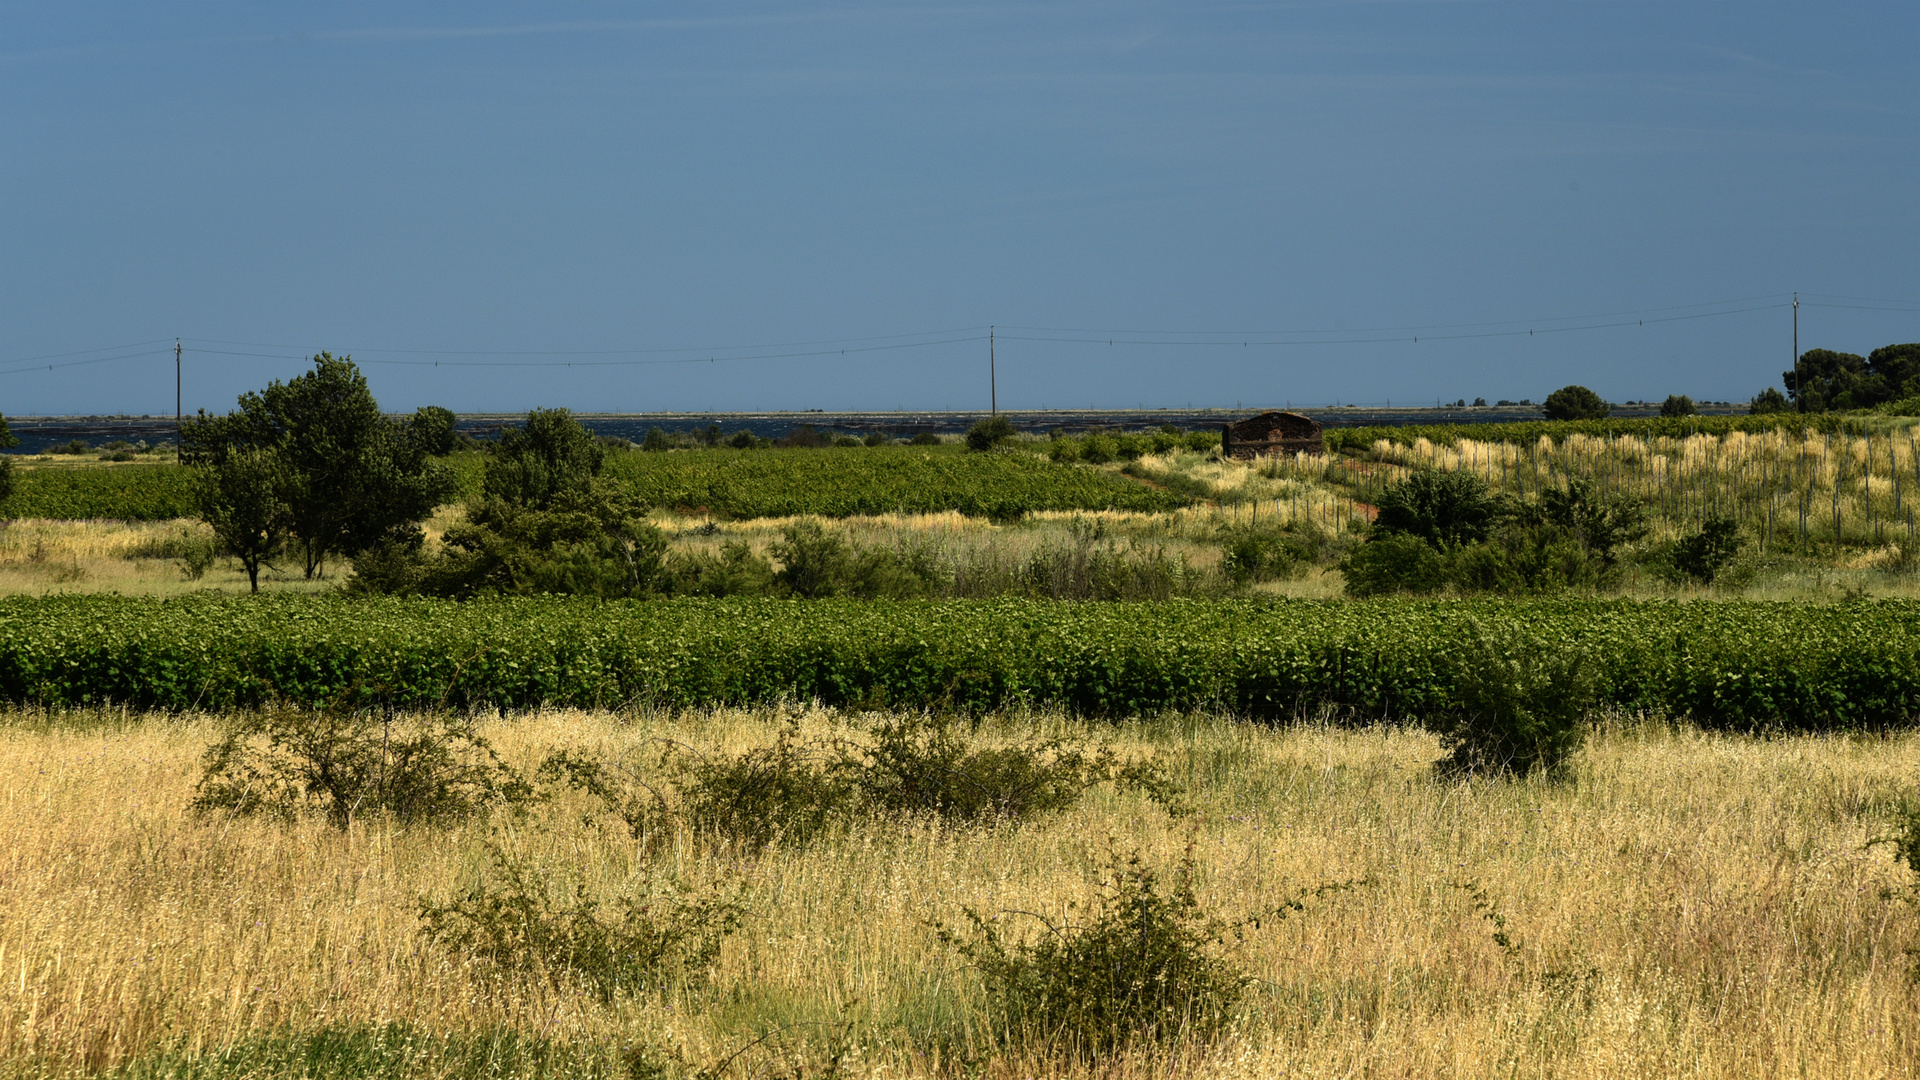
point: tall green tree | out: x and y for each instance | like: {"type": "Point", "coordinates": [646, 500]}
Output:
{"type": "Point", "coordinates": [1823, 379]}
{"type": "Point", "coordinates": [353, 477]}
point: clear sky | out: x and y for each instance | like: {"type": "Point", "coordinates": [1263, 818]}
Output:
{"type": "Point", "coordinates": [1256, 202]}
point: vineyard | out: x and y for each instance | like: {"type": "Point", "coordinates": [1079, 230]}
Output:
{"type": "Point", "coordinates": [120, 492]}
{"type": "Point", "coordinates": [877, 480]}
{"type": "Point", "coordinates": [1725, 664]}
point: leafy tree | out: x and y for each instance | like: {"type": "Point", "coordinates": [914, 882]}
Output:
{"type": "Point", "coordinates": [1768, 401]}
{"type": "Point", "coordinates": [546, 522]}
{"type": "Point", "coordinates": [990, 433]}
{"type": "Point", "coordinates": [352, 477]}
{"type": "Point", "coordinates": [244, 496]}
{"type": "Point", "coordinates": [1678, 405]}
{"type": "Point", "coordinates": [1823, 379]}
{"type": "Point", "coordinates": [1898, 369]}
{"type": "Point", "coordinates": [7, 442]}
{"type": "Point", "coordinates": [657, 440]}
{"type": "Point", "coordinates": [550, 457]}
{"type": "Point", "coordinates": [1443, 508]}
{"type": "Point", "coordinates": [1575, 403]}
{"type": "Point", "coordinates": [431, 431]}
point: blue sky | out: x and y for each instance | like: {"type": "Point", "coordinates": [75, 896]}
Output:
{"type": "Point", "coordinates": [1256, 202]}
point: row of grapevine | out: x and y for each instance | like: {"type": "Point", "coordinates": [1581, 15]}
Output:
{"type": "Point", "coordinates": [1723, 664]}
{"type": "Point", "coordinates": [1362, 439]}
{"type": "Point", "coordinates": [122, 492]}
{"type": "Point", "coordinates": [876, 480]}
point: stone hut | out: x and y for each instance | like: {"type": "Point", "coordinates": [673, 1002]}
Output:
{"type": "Point", "coordinates": [1271, 433]}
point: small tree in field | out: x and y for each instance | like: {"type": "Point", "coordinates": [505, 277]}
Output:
{"type": "Point", "coordinates": [244, 497]}
{"type": "Point", "coordinates": [352, 477]}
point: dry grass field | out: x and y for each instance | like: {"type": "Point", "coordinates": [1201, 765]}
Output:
{"type": "Point", "coordinates": [1681, 905]}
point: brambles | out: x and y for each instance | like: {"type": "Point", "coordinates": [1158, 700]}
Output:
{"type": "Point", "coordinates": [346, 763]}
{"type": "Point", "coordinates": [1521, 707]}
{"type": "Point", "coordinates": [1144, 967]}
{"type": "Point", "coordinates": [523, 919]}
{"type": "Point", "coordinates": [1394, 563]}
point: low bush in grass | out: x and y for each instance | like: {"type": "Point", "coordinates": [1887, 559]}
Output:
{"type": "Point", "coordinates": [344, 763]}
{"type": "Point", "coordinates": [1144, 964]}
{"type": "Point", "coordinates": [523, 919]}
{"type": "Point", "coordinates": [1521, 706]}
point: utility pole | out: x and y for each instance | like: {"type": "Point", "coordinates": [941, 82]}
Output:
{"type": "Point", "coordinates": [1799, 399]}
{"type": "Point", "coordinates": [176, 399]}
{"type": "Point", "coordinates": [993, 379]}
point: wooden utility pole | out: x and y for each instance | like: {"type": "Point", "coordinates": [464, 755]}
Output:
{"type": "Point", "coordinates": [176, 399]}
{"type": "Point", "coordinates": [993, 378]}
{"type": "Point", "coordinates": [1799, 398]}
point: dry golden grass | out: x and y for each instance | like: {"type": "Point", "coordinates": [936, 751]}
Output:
{"type": "Point", "coordinates": [39, 556]}
{"type": "Point", "coordinates": [1687, 905]}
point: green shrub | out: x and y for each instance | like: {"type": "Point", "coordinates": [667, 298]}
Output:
{"type": "Point", "coordinates": [1521, 706]}
{"type": "Point", "coordinates": [990, 433]}
{"type": "Point", "coordinates": [1252, 554]}
{"type": "Point", "coordinates": [519, 919]}
{"type": "Point", "coordinates": [789, 791]}
{"type": "Point", "coordinates": [1445, 508]}
{"type": "Point", "coordinates": [1904, 833]}
{"type": "Point", "coordinates": [1703, 555]}
{"type": "Point", "coordinates": [1143, 967]}
{"type": "Point", "coordinates": [344, 763]}
{"type": "Point", "coordinates": [924, 438]}
{"type": "Point", "coordinates": [734, 571]}
{"type": "Point", "coordinates": [813, 563]}
{"type": "Point", "coordinates": [1394, 563]}
{"type": "Point", "coordinates": [1521, 560]}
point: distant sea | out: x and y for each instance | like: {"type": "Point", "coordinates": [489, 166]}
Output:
{"type": "Point", "coordinates": [38, 433]}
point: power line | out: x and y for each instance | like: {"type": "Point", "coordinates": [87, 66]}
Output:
{"type": "Point", "coordinates": [1247, 342]}
{"type": "Point", "coordinates": [706, 349]}
{"type": "Point", "coordinates": [1776, 297]}
{"type": "Point", "coordinates": [616, 363]}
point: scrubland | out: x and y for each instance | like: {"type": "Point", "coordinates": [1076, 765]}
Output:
{"type": "Point", "coordinates": [1679, 903]}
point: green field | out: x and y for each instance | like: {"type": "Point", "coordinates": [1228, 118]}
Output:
{"type": "Point", "coordinates": [1722, 664]}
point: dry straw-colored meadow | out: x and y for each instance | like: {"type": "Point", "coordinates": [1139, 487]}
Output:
{"type": "Point", "coordinates": [1684, 905]}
